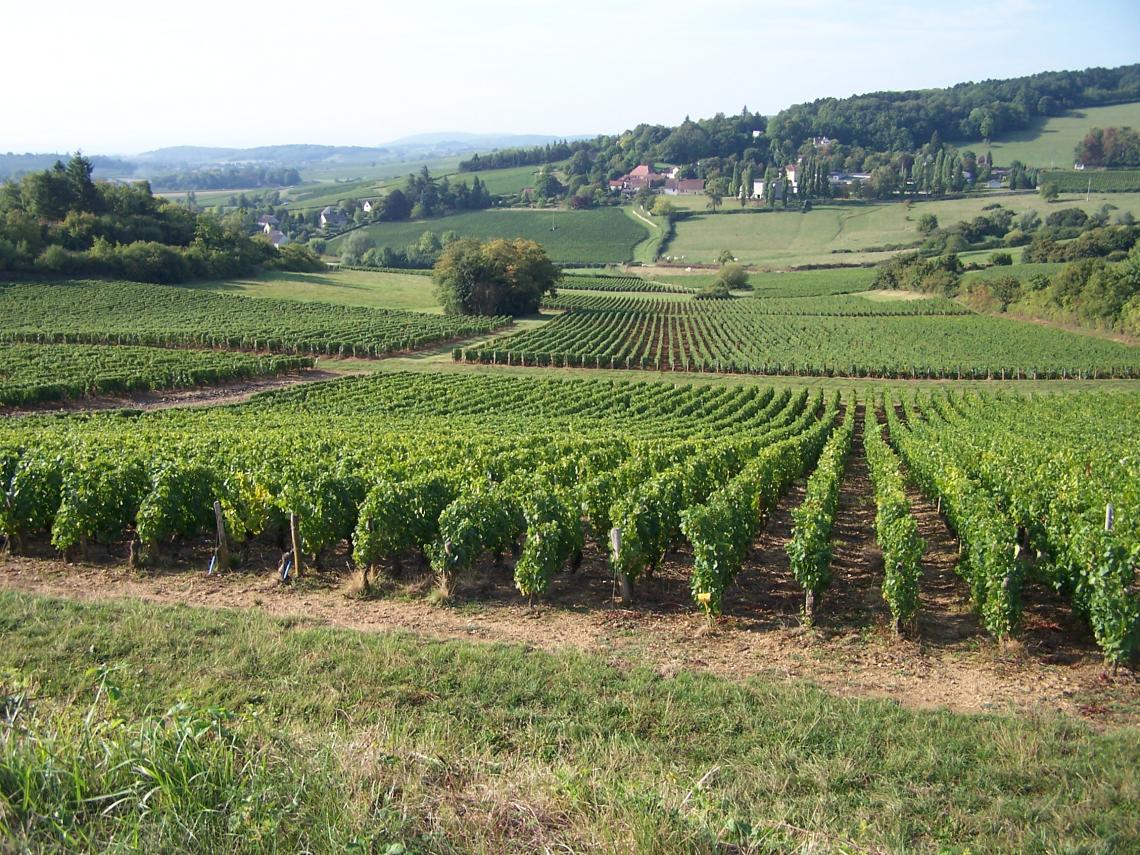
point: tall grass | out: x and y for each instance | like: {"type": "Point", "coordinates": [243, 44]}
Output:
{"type": "Point", "coordinates": [232, 732]}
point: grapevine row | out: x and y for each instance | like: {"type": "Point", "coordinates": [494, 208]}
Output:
{"type": "Point", "coordinates": [896, 529]}
{"type": "Point", "coordinates": [32, 374]}
{"type": "Point", "coordinates": [809, 550]}
{"type": "Point", "coordinates": [132, 313]}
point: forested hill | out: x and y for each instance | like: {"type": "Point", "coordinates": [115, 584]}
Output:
{"type": "Point", "coordinates": [870, 124]}
{"type": "Point", "coordinates": [967, 112]}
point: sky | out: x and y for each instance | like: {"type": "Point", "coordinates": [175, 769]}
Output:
{"type": "Point", "coordinates": [126, 76]}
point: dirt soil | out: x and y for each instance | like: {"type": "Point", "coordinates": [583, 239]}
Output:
{"type": "Point", "coordinates": [947, 661]}
{"type": "Point", "coordinates": [225, 393]}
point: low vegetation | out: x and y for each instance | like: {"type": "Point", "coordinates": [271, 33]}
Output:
{"type": "Point", "coordinates": [387, 743]}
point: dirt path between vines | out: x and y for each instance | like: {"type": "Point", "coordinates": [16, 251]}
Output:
{"type": "Point", "coordinates": [949, 663]}
{"type": "Point", "coordinates": [202, 396]}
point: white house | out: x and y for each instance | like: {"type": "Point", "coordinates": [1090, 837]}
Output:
{"type": "Point", "coordinates": [790, 172]}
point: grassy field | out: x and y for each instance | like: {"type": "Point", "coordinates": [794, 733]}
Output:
{"type": "Point", "coordinates": [502, 181]}
{"type": "Point", "coordinates": [793, 283]}
{"type": "Point", "coordinates": [375, 289]}
{"type": "Point", "coordinates": [283, 736]}
{"type": "Point", "coordinates": [603, 235]}
{"type": "Point", "coordinates": [309, 197]}
{"type": "Point", "coordinates": [378, 172]}
{"type": "Point", "coordinates": [369, 182]}
{"type": "Point", "coordinates": [843, 233]}
{"type": "Point", "coordinates": [1050, 142]}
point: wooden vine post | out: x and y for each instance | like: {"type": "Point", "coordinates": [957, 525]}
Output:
{"type": "Point", "coordinates": [296, 542]}
{"type": "Point", "coordinates": [623, 578]}
{"type": "Point", "coordinates": [223, 551]}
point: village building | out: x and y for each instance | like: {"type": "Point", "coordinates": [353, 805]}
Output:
{"type": "Point", "coordinates": [641, 177]}
{"type": "Point", "coordinates": [791, 172]}
{"type": "Point", "coordinates": [847, 179]}
{"type": "Point", "coordinates": [683, 186]}
{"type": "Point", "coordinates": [331, 218]}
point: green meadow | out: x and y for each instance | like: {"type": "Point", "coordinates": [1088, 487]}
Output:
{"type": "Point", "coordinates": [847, 232]}
{"type": "Point", "coordinates": [1050, 142]}
{"type": "Point", "coordinates": [602, 235]}
{"type": "Point", "coordinates": [373, 288]}
{"type": "Point", "coordinates": [146, 727]}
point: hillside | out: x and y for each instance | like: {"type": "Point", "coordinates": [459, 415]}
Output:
{"type": "Point", "coordinates": [600, 236]}
{"type": "Point", "coordinates": [1050, 141]}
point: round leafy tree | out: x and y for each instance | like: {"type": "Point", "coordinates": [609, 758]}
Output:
{"type": "Point", "coordinates": [498, 277]}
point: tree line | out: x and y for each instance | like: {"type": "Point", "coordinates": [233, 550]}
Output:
{"type": "Point", "coordinates": [224, 178]}
{"type": "Point", "coordinates": [1109, 147]}
{"type": "Point", "coordinates": [60, 221]}
{"type": "Point", "coordinates": [895, 121]}
{"type": "Point", "coordinates": [887, 132]}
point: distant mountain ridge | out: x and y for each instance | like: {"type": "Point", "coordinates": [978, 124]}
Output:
{"type": "Point", "coordinates": [420, 145]}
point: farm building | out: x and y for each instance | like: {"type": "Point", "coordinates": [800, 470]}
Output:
{"type": "Point", "coordinates": [641, 177]}
{"type": "Point", "coordinates": [331, 218]}
{"type": "Point", "coordinates": [683, 186]}
{"type": "Point", "coordinates": [847, 179]}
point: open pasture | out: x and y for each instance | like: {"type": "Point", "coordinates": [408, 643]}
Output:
{"type": "Point", "coordinates": [1050, 142]}
{"type": "Point", "coordinates": [380, 289]}
{"type": "Point", "coordinates": [847, 233]}
{"type": "Point", "coordinates": [603, 235]}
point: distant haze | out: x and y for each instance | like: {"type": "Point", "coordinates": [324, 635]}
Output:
{"type": "Point", "coordinates": [126, 76]}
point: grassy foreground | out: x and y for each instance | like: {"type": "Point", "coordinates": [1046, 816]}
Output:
{"type": "Point", "coordinates": [135, 727]}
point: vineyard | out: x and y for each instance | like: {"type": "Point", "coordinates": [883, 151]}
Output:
{"type": "Point", "coordinates": [462, 469]}
{"type": "Point", "coordinates": [1037, 489]}
{"type": "Point", "coordinates": [811, 336]}
{"type": "Point", "coordinates": [839, 305]}
{"type": "Point", "coordinates": [566, 298]}
{"type": "Point", "coordinates": [34, 373]}
{"type": "Point", "coordinates": [1107, 181]}
{"type": "Point", "coordinates": [609, 282]}
{"type": "Point", "coordinates": [131, 313]}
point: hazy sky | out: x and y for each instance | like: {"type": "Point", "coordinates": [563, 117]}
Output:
{"type": "Point", "coordinates": [124, 76]}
